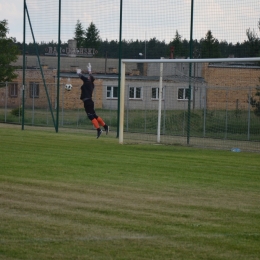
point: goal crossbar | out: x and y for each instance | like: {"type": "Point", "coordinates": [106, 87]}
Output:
{"type": "Point", "coordinates": [253, 59]}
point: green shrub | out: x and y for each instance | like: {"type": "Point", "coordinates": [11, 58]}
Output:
{"type": "Point", "coordinates": [17, 111]}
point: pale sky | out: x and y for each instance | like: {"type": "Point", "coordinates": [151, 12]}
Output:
{"type": "Point", "coordinates": [146, 19]}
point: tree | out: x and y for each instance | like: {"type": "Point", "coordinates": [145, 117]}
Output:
{"type": "Point", "coordinates": [79, 34]}
{"type": "Point", "coordinates": [92, 39]}
{"type": "Point", "coordinates": [253, 42]}
{"type": "Point", "coordinates": [177, 43]}
{"type": "Point", "coordinates": [210, 46]}
{"type": "Point", "coordinates": [255, 101]}
{"type": "Point", "coordinates": [155, 48]}
{"type": "Point", "coordinates": [8, 53]}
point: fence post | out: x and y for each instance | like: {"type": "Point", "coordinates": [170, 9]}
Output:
{"type": "Point", "coordinates": [205, 111]}
{"type": "Point", "coordinates": [249, 115]}
{"type": "Point", "coordinates": [6, 97]}
{"type": "Point", "coordinates": [226, 119]}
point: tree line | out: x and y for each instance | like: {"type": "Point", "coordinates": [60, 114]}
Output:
{"type": "Point", "coordinates": [207, 47]}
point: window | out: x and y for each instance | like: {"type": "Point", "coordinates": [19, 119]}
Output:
{"type": "Point", "coordinates": [135, 92]}
{"type": "Point", "coordinates": [155, 93]}
{"type": "Point", "coordinates": [112, 92]}
{"type": "Point", "coordinates": [183, 93]}
{"type": "Point", "coordinates": [13, 90]}
{"type": "Point", "coordinates": [34, 89]}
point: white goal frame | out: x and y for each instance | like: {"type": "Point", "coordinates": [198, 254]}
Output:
{"type": "Point", "coordinates": [161, 61]}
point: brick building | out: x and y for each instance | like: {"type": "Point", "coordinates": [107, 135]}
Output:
{"type": "Point", "coordinates": [216, 85]}
{"type": "Point", "coordinates": [232, 83]}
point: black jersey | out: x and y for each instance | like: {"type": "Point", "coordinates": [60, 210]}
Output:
{"type": "Point", "coordinates": [87, 88]}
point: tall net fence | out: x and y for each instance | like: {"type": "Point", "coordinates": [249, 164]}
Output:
{"type": "Point", "coordinates": [216, 106]}
{"type": "Point", "coordinates": [37, 112]}
{"type": "Point", "coordinates": [90, 33]}
{"type": "Point", "coordinates": [150, 29]}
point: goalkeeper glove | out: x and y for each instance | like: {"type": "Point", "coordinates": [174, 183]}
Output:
{"type": "Point", "coordinates": [89, 68]}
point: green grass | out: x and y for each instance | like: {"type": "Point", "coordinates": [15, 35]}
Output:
{"type": "Point", "coordinates": [69, 195]}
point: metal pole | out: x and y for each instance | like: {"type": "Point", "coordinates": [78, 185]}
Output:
{"type": "Point", "coordinates": [6, 97]}
{"type": "Point", "coordinates": [106, 64]}
{"type": "Point", "coordinates": [145, 114]}
{"type": "Point", "coordinates": [226, 118]}
{"type": "Point", "coordinates": [119, 67]}
{"type": "Point", "coordinates": [38, 58]}
{"type": "Point", "coordinates": [160, 104]}
{"type": "Point", "coordinates": [164, 107]}
{"type": "Point", "coordinates": [122, 93]}
{"type": "Point", "coordinates": [62, 113]}
{"type": "Point", "coordinates": [255, 59]}
{"type": "Point", "coordinates": [127, 107]}
{"type": "Point", "coordinates": [205, 111]}
{"type": "Point", "coordinates": [145, 47]}
{"type": "Point", "coordinates": [24, 18]}
{"type": "Point", "coordinates": [58, 72]}
{"type": "Point", "coordinates": [190, 68]}
{"type": "Point", "coordinates": [33, 95]}
{"type": "Point", "coordinates": [249, 116]}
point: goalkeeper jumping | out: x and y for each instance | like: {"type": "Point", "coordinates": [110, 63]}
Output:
{"type": "Point", "coordinates": [86, 96]}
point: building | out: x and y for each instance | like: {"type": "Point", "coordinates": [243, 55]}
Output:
{"type": "Point", "coordinates": [209, 87]}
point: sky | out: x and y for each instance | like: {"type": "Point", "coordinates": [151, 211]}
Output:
{"type": "Point", "coordinates": [13, 12]}
{"type": "Point", "coordinates": [143, 20]}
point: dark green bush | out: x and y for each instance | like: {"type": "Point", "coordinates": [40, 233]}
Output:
{"type": "Point", "coordinates": [17, 111]}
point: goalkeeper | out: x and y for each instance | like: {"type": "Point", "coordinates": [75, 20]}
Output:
{"type": "Point", "coordinates": [86, 96]}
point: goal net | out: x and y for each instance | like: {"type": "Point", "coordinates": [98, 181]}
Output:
{"type": "Point", "coordinates": [196, 102]}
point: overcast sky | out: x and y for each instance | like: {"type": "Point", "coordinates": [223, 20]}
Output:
{"type": "Point", "coordinates": [146, 19]}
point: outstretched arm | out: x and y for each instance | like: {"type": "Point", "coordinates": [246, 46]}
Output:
{"type": "Point", "coordinates": [82, 77]}
{"type": "Point", "coordinates": [89, 68]}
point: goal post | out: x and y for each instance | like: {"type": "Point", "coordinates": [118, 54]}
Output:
{"type": "Point", "coordinates": [159, 76]}
{"type": "Point", "coordinates": [160, 103]}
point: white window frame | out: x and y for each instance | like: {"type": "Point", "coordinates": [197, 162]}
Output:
{"type": "Point", "coordinates": [111, 92]}
{"type": "Point", "coordinates": [157, 93]}
{"type": "Point", "coordinates": [184, 96]}
{"type": "Point", "coordinates": [135, 91]}
{"type": "Point", "coordinates": [34, 88]}
{"type": "Point", "coordinates": [13, 90]}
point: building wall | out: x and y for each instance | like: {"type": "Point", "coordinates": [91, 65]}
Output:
{"type": "Point", "coordinates": [67, 64]}
{"type": "Point", "coordinates": [230, 85]}
{"type": "Point", "coordinates": [174, 69]}
{"type": "Point", "coordinates": [223, 88]}
{"type": "Point", "coordinates": [170, 99]}
{"type": "Point", "coordinates": [68, 99]}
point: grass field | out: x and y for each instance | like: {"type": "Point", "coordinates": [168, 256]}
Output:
{"type": "Point", "coordinates": [68, 195]}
